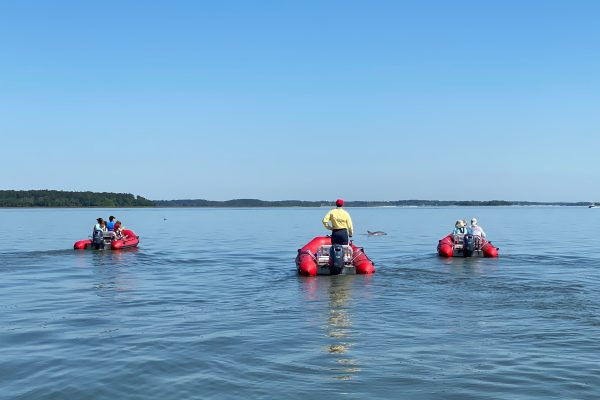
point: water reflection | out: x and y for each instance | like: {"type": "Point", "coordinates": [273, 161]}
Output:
{"type": "Point", "coordinates": [112, 272]}
{"type": "Point", "coordinates": [339, 326]}
{"type": "Point", "coordinates": [337, 292]}
{"type": "Point", "coordinates": [473, 266]}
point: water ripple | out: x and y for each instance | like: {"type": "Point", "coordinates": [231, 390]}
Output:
{"type": "Point", "coordinates": [215, 312]}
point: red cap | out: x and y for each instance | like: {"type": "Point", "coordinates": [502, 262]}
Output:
{"type": "Point", "coordinates": [339, 202]}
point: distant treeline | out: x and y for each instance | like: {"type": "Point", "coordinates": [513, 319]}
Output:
{"type": "Point", "coordinates": [396, 203]}
{"type": "Point", "coordinates": [58, 198]}
{"type": "Point", "coordinates": [238, 203]}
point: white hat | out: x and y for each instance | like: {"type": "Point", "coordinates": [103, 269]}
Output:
{"type": "Point", "coordinates": [473, 221]}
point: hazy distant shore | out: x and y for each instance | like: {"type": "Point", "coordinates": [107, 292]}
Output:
{"type": "Point", "coordinates": [66, 199]}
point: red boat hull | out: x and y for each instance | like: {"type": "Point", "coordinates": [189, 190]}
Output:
{"type": "Point", "coordinates": [306, 260]}
{"type": "Point", "coordinates": [130, 240]}
{"type": "Point", "coordinates": [446, 248]}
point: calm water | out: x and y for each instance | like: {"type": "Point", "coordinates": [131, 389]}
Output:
{"type": "Point", "coordinates": [210, 306]}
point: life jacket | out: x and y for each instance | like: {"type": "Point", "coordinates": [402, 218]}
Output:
{"type": "Point", "coordinates": [460, 231]}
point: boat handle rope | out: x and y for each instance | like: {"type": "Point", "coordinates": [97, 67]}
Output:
{"type": "Point", "coordinates": [309, 253]}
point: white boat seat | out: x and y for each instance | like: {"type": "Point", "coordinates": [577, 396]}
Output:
{"type": "Point", "coordinates": [323, 253]}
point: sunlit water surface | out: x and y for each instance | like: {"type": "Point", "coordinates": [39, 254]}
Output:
{"type": "Point", "coordinates": [210, 306]}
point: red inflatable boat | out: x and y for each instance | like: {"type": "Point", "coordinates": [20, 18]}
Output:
{"type": "Point", "coordinates": [466, 246]}
{"type": "Point", "coordinates": [316, 258]}
{"type": "Point", "coordinates": [130, 239]}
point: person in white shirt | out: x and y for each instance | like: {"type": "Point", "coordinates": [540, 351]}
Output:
{"type": "Point", "coordinates": [475, 229]}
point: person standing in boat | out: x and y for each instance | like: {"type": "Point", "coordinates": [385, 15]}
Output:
{"type": "Point", "coordinates": [338, 221]}
{"type": "Point", "coordinates": [475, 229]}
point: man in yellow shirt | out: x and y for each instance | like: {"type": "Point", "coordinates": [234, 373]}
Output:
{"type": "Point", "coordinates": [339, 222]}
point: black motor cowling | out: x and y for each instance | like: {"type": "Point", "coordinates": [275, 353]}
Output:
{"type": "Point", "coordinates": [98, 240]}
{"type": "Point", "coordinates": [468, 245]}
{"type": "Point", "coordinates": [336, 259]}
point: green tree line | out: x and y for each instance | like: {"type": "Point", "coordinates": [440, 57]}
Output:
{"type": "Point", "coordinates": [396, 203]}
{"type": "Point", "coordinates": [58, 198]}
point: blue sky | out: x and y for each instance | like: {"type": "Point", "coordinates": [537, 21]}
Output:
{"type": "Point", "coordinates": [311, 100]}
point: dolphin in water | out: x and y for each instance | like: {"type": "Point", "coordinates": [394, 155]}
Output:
{"type": "Point", "coordinates": [376, 233]}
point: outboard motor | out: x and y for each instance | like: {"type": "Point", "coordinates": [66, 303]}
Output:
{"type": "Point", "coordinates": [468, 245]}
{"type": "Point", "coordinates": [98, 240]}
{"type": "Point", "coordinates": [336, 259]}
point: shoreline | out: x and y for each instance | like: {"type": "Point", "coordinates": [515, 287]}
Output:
{"type": "Point", "coordinates": [298, 207]}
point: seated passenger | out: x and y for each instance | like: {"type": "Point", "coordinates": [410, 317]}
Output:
{"type": "Point", "coordinates": [460, 228]}
{"type": "Point", "coordinates": [99, 227]}
{"type": "Point", "coordinates": [119, 231]}
{"type": "Point", "coordinates": [475, 229]}
{"type": "Point", "coordinates": [98, 231]}
{"type": "Point", "coordinates": [106, 233]}
{"type": "Point", "coordinates": [111, 223]}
